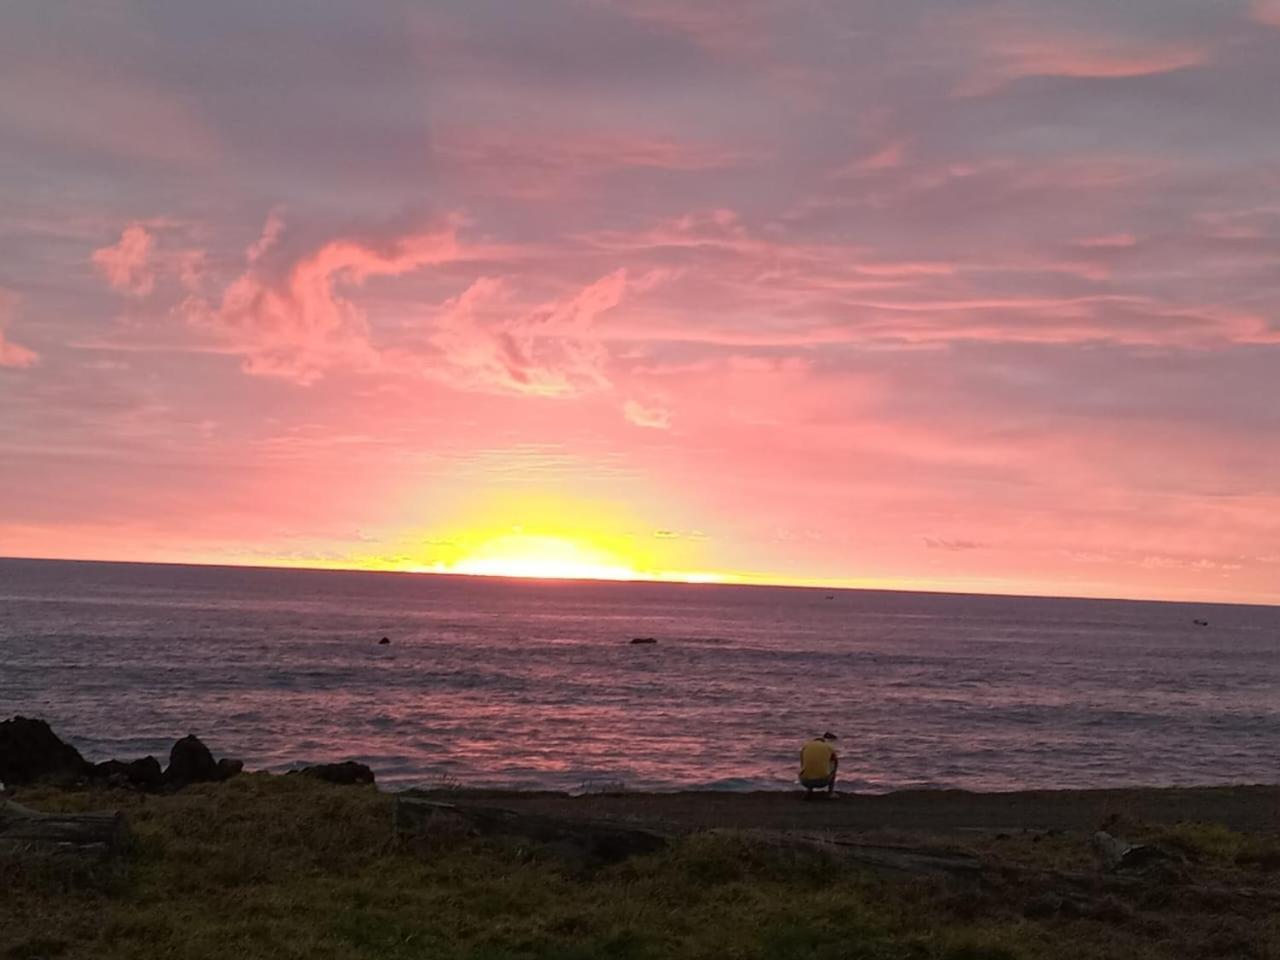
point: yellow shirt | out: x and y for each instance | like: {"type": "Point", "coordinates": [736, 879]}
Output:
{"type": "Point", "coordinates": [817, 757]}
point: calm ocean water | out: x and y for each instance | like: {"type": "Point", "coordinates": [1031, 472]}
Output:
{"type": "Point", "coordinates": [492, 682]}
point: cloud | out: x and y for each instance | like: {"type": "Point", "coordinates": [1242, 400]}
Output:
{"type": "Point", "coordinates": [488, 341]}
{"type": "Point", "coordinates": [891, 156]}
{"type": "Point", "coordinates": [941, 543]}
{"type": "Point", "coordinates": [127, 264]}
{"type": "Point", "coordinates": [147, 253]}
{"type": "Point", "coordinates": [12, 354]}
{"type": "Point", "coordinates": [555, 165]}
{"type": "Point", "coordinates": [546, 152]}
{"type": "Point", "coordinates": [1009, 49]}
{"type": "Point", "coordinates": [288, 313]}
{"type": "Point", "coordinates": [727, 28]}
{"type": "Point", "coordinates": [1266, 11]}
{"type": "Point", "coordinates": [646, 415]}
{"type": "Point", "coordinates": [271, 231]}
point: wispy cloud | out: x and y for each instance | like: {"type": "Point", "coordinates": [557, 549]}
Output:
{"type": "Point", "coordinates": [127, 264]}
{"type": "Point", "coordinates": [12, 354]}
{"type": "Point", "coordinates": [1267, 11]}
{"type": "Point", "coordinates": [488, 341]}
{"type": "Point", "coordinates": [289, 314]}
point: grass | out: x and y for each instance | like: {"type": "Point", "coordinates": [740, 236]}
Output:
{"type": "Point", "coordinates": [267, 866]}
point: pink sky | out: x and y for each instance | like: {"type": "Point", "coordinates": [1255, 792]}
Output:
{"type": "Point", "coordinates": [968, 296]}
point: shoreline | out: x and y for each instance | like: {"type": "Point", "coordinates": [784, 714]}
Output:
{"type": "Point", "coordinates": [1251, 808]}
{"type": "Point", "coordinates": [33, 755]}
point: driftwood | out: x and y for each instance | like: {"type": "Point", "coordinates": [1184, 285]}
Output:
{"type": "Point", "coordinates": [891, 859]}
{"type": "Point", "coordinates": [29, 832]}
{"type": "Point", "coordinates": [602, 841]}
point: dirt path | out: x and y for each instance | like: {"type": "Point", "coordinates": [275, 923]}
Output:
{"type": "Point", "coordinates": [1250, 809]}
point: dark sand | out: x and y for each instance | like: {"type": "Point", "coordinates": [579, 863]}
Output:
{"type": "Point", "coordinates": [1252, 809]}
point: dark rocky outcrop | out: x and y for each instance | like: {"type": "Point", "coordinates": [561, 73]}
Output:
{"type": "Point", "coordinates": [385, 641]}
{"type": "Point", "coordinates": [643, 640]}
{"type": "Point", "coordinates": [145, 774]}
{"type": "Point", "coordinates": [228, 768]}
{"type": "Point", "coordinates": [191, 762]}
{"type": "Point", "coordinates": [347, 772]}
{"type": "Point", "coordinates": [31, 751]}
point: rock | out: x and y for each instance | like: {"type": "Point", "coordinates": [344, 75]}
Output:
{"type": "Point", "coordinates": [144, 773]}
{"type": "Point", "coordinates": [1201, 623]}
{"type": "Point", "coordinates": [228, 768]}
{"type": "Point", "coordinates": [385, 641]}
{"type": "Point", "coordinates": [347, 772]}
{"type": "Point", "coordinates": [31, 751]}
{"type": "Point", "coordinates": [586, 841]}
{"type": "Point", "coordinates": [191, 762]}
{"type": "Point", "coordinates": [636, 640]}
{"type": "Point", "coordinates": [1118, 856]}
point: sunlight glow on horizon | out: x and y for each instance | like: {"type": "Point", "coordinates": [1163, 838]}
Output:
{"type": "Point", "coordinates": [543, 557]}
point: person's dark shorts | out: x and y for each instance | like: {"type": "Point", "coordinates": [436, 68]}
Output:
{"type": "Point", "coordinates": [810, 784]}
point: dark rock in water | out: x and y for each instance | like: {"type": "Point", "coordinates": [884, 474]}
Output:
{"type": "Point", "coordinates": [346, 772]}
{"type": "Point", "coordinates": [144, 774]}
{"type": "Point", "coordinates": [384, 641]}
{"type": "Point", "coordinates": [31, 751]}
{"type": "Point", "coordinates": [191, 762]}
{"type": "Point", "coordinates": [1201, 623]}
{"type": "Point", "coordinates": [636, 640]}
{"type": "Point", "coordinates": [228, 768]}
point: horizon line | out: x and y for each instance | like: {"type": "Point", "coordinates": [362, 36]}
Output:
{"type": "Point", "coordinates": [643, 579]}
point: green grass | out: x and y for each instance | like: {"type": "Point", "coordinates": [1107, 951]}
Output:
{"type": "Point", "coordinates": [267, 866]}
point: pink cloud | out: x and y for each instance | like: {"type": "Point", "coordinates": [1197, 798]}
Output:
{"type": "Point", "coordinates": [1010, 50]}
{"type": "Point", "coordinates": [1110, 241]}
{"type": "Point", "coordinates": [1266, 11]}
{"type": "Point", "coordinates": [288, 315]}
{"type": "Point", "coordinates": [12, 354]}
{"type": "Point", "coordinates": [579, 152]}
{"type": "Point", "coordinates": [488, 341]}
{"type": "Point", "coordinates": [889, 157]}
{"type": "Point", "coordinates": [553, 165]}
{"type": "Point", "coordinates": [647, 415]}
{"type": "Point", "coordinates": [127, 264]}
{"type": "Point", "coordinates": [726, 28]}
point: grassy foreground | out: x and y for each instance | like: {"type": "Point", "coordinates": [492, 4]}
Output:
{"type": "Point", "coordinates": [266, 866]}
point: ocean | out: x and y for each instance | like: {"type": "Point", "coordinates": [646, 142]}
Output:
{"type": "Point", "coordinates": [535, 684]}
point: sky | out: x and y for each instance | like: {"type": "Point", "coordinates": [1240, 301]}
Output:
{"type": "Point", "coordinates": [930, 294]}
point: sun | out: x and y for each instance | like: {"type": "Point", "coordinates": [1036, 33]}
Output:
{"type": "Point", "coordinates": [543, 557]}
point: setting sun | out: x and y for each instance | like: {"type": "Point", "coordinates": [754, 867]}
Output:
{"type": "Point", "coordinates": [532, 555]}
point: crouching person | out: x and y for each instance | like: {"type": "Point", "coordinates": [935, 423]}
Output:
{"type": "Point", "coordinates": [818, 764]}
